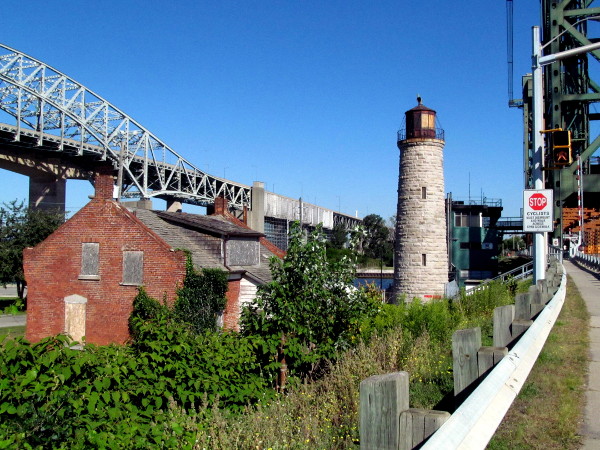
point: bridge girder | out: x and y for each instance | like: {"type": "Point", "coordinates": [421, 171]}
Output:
{"type": "Point", "coordinates": [56, 110]}
{"type": "Point", "coordinates": [569, 91]}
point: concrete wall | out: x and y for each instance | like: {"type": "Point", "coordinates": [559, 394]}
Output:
{"type": "Point", "coordinates": [282, 207]}
{"type": "Point", "coordinates": [269, 204]}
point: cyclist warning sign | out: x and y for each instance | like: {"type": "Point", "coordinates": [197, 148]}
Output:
{"type": "Point", "coordinates": [537, 210]}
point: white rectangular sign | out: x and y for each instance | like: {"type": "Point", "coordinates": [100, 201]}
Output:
{"type": "Point", "coordinates": [537, 210]}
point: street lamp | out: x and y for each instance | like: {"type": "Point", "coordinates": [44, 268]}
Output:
{"type": "Point", "coordinates": [539, 61]}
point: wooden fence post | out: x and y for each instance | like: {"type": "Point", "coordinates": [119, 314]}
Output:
{"type": "Point", "coordinates": [522, 306]}
{"type": "Point", "coordinates": [543, 288]}
{"type": "Point", "coordinates": [416, 425]}
{"type": "Point", "coordinates": [535, 295]}
{"type": "Point", "coordinates": [520, 326]}
{"type": "Point", "coordinates": [488, 357]}
{"type": "Point", "coordinates": [465, 344]}
{"type": "Point", "coordinates": [382, 399]}
{"type": "Point", "coordinates": [503, 317]}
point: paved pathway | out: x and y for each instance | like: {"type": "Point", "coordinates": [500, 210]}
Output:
{"type": "Point", "coordinates": [12, 321]}
{"type": "Point", "coordinates": [9, 291]}
{"type": "Point", "coordinates": [588, 285]}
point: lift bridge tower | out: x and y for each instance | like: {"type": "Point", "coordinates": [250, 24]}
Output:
{"type": "Point", "coordinates": [420, 256]}
{"type": "Point", "coordinates": [569, 97]}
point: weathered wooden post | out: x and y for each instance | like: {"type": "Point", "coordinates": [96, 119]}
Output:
{"type": "Point", "coordinates": [537, 300]}
{"type": "Point", "coordinates": [488, 357]}
{"type": "Point", "coordinates": [535, 295]}
{"type": "Point", "coordinates": [520, 326]}
{"type": "Point", "coordinates": [465, 344]}
{"type": "Point", "coordinates": [523, 306]}
{"type": "Point", "coordinates": [382, 399]}
{"type": "Point", "coordinates": [417, 425]}
{"type": "Point", "coordinates": [503, 317]}
{"type": "Point", "coordinates": [543, 288]}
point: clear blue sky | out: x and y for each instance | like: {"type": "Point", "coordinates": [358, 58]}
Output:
{"type": "Point", "coordinates": [306, 96]}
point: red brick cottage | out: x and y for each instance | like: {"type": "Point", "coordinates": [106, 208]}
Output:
{"type": "Point", "coordinates": [82, 279]}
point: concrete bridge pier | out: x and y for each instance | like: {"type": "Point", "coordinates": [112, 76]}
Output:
{"type": "Point", "coordinates": [47, 175]}
{"type": "Point", "coordinates": [47, 192]}
{"type": "Point", "coordinates": [174, 206]}
{"type": "Point", "coordinates": [257, 211]}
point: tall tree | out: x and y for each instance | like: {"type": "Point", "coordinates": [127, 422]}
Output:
{"type": "Point", "coordinates": [339, 236]}
{"type": "Point", "coordinates": [377, 237]}
{"type": "Point", "coordinates": [22, 227]}
{"type": "Point", "coordinates": [311, 307]}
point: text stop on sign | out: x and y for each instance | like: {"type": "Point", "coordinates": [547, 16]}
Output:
{"type": "Point", "coordinates": [537, 210]}
{"type": "Point", "coordinates": [538, 201]}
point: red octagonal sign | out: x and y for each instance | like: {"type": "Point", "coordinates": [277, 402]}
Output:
{"type": "Point", "coordinates": [537, 210]}
{"type": "Point", "coordinates": [538, 201]}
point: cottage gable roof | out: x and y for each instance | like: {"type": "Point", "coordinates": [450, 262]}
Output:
{"type": "Point", "coordinates": [203, 237]}
{"type": "Point", "coordinates": [213, 224]}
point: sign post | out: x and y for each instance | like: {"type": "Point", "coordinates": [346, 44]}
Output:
{"type": "Point", "coordinates": [539, 61]}
{"type": "Point", "coordinates": [537, 218]}
{"type": "Point", "coordinates": [537, 210]}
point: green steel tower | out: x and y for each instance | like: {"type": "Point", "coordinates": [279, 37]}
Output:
{"type": "Point", "coordinates": [569, 91]}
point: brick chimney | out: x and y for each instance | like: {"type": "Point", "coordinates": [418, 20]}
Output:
{"type": "Point", "coordinates": [104, 183]}
{"type": "Point", "coordinates": [221, 206]}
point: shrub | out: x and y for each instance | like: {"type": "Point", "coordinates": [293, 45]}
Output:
{"type": "Point", "coordinates": [201, 298]}
{"type": "Point", "coordinates": [311, 305]}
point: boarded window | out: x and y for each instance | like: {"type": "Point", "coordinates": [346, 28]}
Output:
{"type": "Point", "coordinates": [90, 252]}
{"type": "Point", "coordinates": [133, 268]}
{"type": "Point", "coordinates": [242, 252]}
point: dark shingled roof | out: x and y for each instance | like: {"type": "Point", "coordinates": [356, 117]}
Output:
{"type": "Point", "coordinates": [203, 236]}
{"type": "Point", "coordinates": [213, 224]}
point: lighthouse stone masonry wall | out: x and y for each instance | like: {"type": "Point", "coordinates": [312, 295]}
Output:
{"type": "Point", "coordinates": [421, 222]}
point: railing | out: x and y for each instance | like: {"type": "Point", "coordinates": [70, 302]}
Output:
{"type": "Point", "coordinates": [555, 252]}
{"type": "Point", "coordinates": [516, 274]}
{"type": "Point", "coordinates": [429, 133]}
{"type": "Point", "coordinates": [474, 423]}
{"type": "Point", "coordinates": [492, 375]}
{"type": "Point", "coordinates": [591, 262]}
{"type": "Point", "coordinates": [485, 201]}
{"type": "Point", "coordinates": [510, 222]}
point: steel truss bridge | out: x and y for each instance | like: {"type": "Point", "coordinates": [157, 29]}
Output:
{"type": "Point", "coordinates": [53, 112]}
{"type": "Point", "coordinates": [56, 118]}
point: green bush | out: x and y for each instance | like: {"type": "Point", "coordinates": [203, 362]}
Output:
{"type": "Point", "coordinates": [52, 396]}
{"type": "Point", "coordinates": [311, 306]}
{"type": "Point", "coordinates": [201, 298]}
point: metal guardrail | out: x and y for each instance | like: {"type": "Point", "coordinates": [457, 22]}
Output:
{"type": "Point", "coordinates": [591, 262]}
{"type": "Point", "coordinates": [555, 252]}
{"type": "Point", "coordinates": [474, 423]}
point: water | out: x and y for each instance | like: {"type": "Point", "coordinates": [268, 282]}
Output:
{"type": "Point", "coordinates": [378, 282]}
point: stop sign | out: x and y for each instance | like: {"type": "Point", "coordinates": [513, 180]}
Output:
{"type": "Point", "coordinates": [537, 210]}
{"type": "Point", "coordinates": [538, 201]}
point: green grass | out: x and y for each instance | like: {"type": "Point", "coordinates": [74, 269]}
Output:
{"type": "Point", "coordinates": [12, 332]}
{"type": "Point", "coordinates": [548, 410]}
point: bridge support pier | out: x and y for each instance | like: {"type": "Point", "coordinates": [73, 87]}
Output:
{"type": "Point", "coordinates": [174, 206]}
{"type": "Point", "coordinates": [47, 192]}
{"type": "Point", "coordinates": [257, 213]}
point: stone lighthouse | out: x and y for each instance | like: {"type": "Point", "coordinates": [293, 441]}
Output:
{"type": "Point", "coordinates": [421, 257]}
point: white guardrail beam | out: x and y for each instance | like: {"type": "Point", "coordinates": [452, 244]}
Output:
{"type": "Point", "coordinates": [474, 423]}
